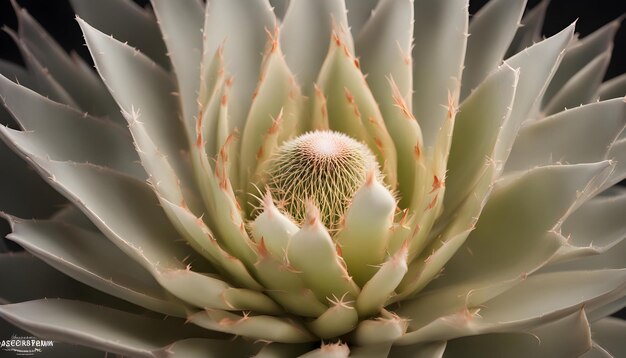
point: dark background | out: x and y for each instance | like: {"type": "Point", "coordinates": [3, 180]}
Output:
{"type": "Point", "coordinates": [57, 18]}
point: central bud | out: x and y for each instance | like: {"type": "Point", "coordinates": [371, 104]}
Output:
{"type": "Point", "coordinates": [323, 167]}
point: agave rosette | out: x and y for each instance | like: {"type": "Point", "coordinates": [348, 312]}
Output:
{"type": "Point", "coordinates": [483, 221]}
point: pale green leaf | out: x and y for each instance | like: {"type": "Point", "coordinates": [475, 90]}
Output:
{"type": "Point", "coordinates": [579, 135]}
{"type": "Point", "coordinates": [83, 86]}
{"type": "Point", "coordinates": [545, 341]}
{"type": "Point", "coordinates": [306, 32]}
{"type": "Point", "coordinates": [437, 69]}
{"type": "Point", "coordinates": [62, 133]}
{"type": "Point", "coordinates": [491, 31]}
{"type": "Point", "coordinates": [582, 87]}
{"type": "Point", "coordinates": [98, 327]}
{"type": "Point", "coordinates": [536, 66]}
{"type": "Point", "coordinates": [238, 25]}
{"type": "Point", "coordinates": [127, 22]}
{"type": "Point", "coordinates": [181, 25]}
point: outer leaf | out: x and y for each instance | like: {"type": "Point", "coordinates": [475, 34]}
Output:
{"type": "Point", "coordinates": [181, 25]}
{"type": "Point", "coordinates": [610, 333]}
{"type": "Point", "coordinates": [536, 65]}
{"type": "Point", "coordinates": [475, 134]}
{"type": "Point", "coordinates": [207, 348]}
{"type": "Point", "coordinates": [360, 12]}
{"type": "Point", "coordinates": [43, 280]}
{"type": "Point", "coordinates": [595, 227]}
{"type": "Point", "coordinates": [99, 327]}
{"type": "Point", "coordinates": [45, 83]}
{"type": "Point", "coordinates": [127, 22]}
{"type": "Point", "coordinates": [242, 54]}
{"type": "Point", "coordinates": [579, 55]}
{"type": "Point", "coordinates": [304, 36]}
{"type": "Point", "coordinates": [510, 237]}
{"type": "Point", "coordinates": [436, 68]}
{"type": "Point", "coordinates": [558, 138]}
{"type": "Point", "coordinates": [545, 341]}
{"type": "Point", "coordinates": [613, 88]}
{"type": "Point", "coordinates": [529, 31]}
{"type": "Point", "coordinates": [536, 300]}
{"type": "Point", "coordinates": [581, 87]}
{"type": "Point", "coordinates": [283, 330]}
{"type": "Point", "coordinates": [491, 31]}
{"type": "Point", "coordinates": [84, 87]}
{"type": "Point", "coordinates": [384, 47]}
{"type": "Point", "coordinates": [63, 133]}
{"type": "Point", "coordinates": [143, 89]}
{"type": "Point", "coordinates": [93, 260]}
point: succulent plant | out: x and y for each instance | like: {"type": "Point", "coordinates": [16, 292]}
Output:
{"type": "Point", "coordinates": [321, 183]}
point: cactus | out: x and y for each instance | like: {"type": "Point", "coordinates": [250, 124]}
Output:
{"type": "Point", "coordinates": [347, 178]}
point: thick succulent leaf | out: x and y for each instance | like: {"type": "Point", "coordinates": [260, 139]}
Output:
{"type": "Point", "coordinates": [377, 291]}
{"type": "Point", "coordinates": [384, 48]}
{"type": "Point", "coordinates": [124, 208]}
{"type": "Point", "coordinates": [286, 287]}
{"type": "Point", "coordinates": [491, 31]}
{"type": "Point", "coordinates": [545, 341]}
{"type": "Point", "coordinates": [207, 348]}
{"type": "Point", "coordinates": [181, 24]}
{"type": "Point", "coordinates": [595, 227]}
{"type": "Point", "coordinates": [143, 89]}
{"type": "Point", "coordinates": [610, 333]}
{"type": "Point", "coordinates": [352, 108]}
{"type": "Point", "coordinates": [596, 351]}
{"type": "Point", "coordinates": [224, 212]}
{"type": "Point", "coordinates": [62, 133]}
{"type": "Point", "coordinates": [512, 234]}
{"type": "Point", "coordinates": [578, 56]}
{"type": "Point", "coordinates": [18, 189]}
{"type": "Point", "coordinates": [617, 153]}
{"type": "Point", "coordinates": [536, 300]}
{"type": "Point", "coordinates": [379, 331]}
{"type": "Point", "coordinates": [434, 253]}
{"type": "Point", "coordinates": [589, 258]}
{"type": "Point", "coordinates": [283, 330]}
{"type": "Point", "coordinates": [276, 98]}
{"type": "Point", "coordinates": [280, 8]}
{"type": "Point", "coordinates": [44, 82]}
{"type": "Point", "coordinates": [199, 236]}
{"type": "Point", "coordinates": [92, 259]}
{"type": "Point", "coordinates": [71, 215]}
{"type": "Point", "coordinates": [581, 87]}
{"type": "Point", "coordinates": [366, 229]}
{"type": "Point", "coordinates": [304, 36]}
{"type": "Point", "coordinates": [613, 88]}
{"type": "Point", "coordinates": [96, 326]}
{"type": "Point", "coordinates": [529, 31]}
{"type": "Point", "coordinates": [558, 138]}
{"type": "Point", "coordinates": [84, 87]}
{"type": "Point", "coordinates": [536, 66]}
{"type": "Point", "coordinates": [332, 350]}
{"type": "Point", "coordinates": [358, 14]}
{"type": "Point", "coordinates": [339, 319]}
{"type": "Point", "coordinates": [57, 349]}
{"type": "Point", "coordinates": [436, 68]}
{"type": "Point", "coordinates": [475, 134]}
{"type": "Point", "coordinates": [16, 269]}
{"type": "Point", "coordinates": [128, 22]}
{"type": "Point", "coordinates": [427, 350]}
{"type": "Point", "coordinates": [242, 54]}
{"type": "Point", "coordinates": [312, 252]}
{"type": "Point", "coordinates": [16, 73]}
{"type": "Point", "coordinates": [211, 292]}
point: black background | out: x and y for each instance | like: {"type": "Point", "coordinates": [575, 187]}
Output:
{"type": "Point", "coordinates": [57, 18]}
